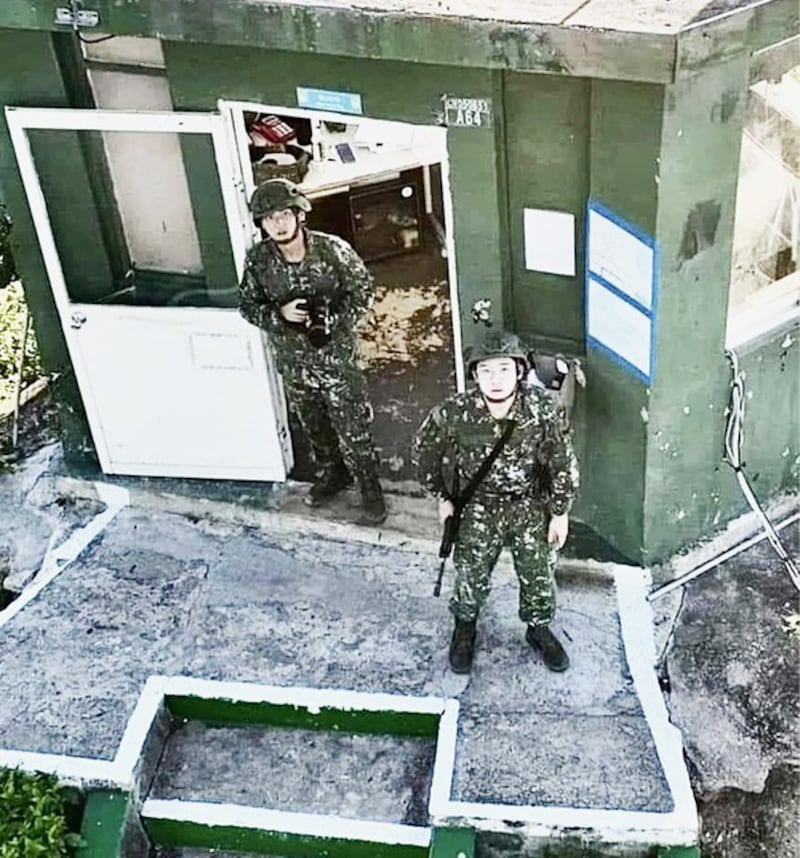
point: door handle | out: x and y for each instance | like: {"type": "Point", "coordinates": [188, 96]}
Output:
{"type": "Point", "coordinates": [77, 320]}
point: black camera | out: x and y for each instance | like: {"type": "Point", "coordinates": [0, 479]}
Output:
{"type": "Point", "coordinates": [321, 318]}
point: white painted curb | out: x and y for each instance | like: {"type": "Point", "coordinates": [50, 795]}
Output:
{"type": "Point", "coordinates": [285, 822]}
{"type": "Point", "coordinates": [57, 559]}
{"type": "Point", "coordinates": [676, 827]}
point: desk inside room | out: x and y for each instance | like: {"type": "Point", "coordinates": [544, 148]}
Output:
{"type": "Point", "coordinates": [369, 182]}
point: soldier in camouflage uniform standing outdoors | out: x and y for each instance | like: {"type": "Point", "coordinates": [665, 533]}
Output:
{"type": "Point", "coordinates": [522, 503]}
{"type": "Point", "coordinates": [307, 290]}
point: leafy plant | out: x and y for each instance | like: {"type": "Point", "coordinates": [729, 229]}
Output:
{"type": "Point", "coordinates": [8, 270]}
{"type": "Point", "coordinates": [12, 322]}
{"type": "Point", "coordinates": [32, 817]}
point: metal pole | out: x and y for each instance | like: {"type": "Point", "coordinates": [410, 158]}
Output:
{"type": "Point", "coordinates": [716, 561]}
{"type": "Point", "coordinates": [18, 386]}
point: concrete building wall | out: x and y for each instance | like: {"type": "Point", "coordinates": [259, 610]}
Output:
{"type": "Point", "coordinates": [662, 157]}
{"type": "Point", "coordinates": [688, 489]}
{"type": "Point", "coordinates": [30, 75]}
{"type": "Point", "coordinates": [408, 92]}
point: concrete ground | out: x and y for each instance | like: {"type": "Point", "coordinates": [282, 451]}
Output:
{"type": "Point", "coordinates": [156, 593]}
{"type": "Point", "coordinates": [355, 776]}
{"type": "Point", "coordinates": [272, 598]}
{"type": "Point", "coordinates": [731, 667]}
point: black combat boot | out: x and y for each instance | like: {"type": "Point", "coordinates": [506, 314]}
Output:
{"type": "Point", "coordinates": [462, 646]}
{"type": "Point", "coordinates": [328, 484]}
{"type": "Point", "coordinates": [545, 642]}
{"type": "Point", "coordinates": [372, 502]}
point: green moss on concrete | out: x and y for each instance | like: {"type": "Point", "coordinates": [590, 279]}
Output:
{"type": "Point", "coordinates": [174, 833]}
{"type": "Point", "coordinates": [679, 852]}
{"type": "Point", "coordinates": [218, 711]}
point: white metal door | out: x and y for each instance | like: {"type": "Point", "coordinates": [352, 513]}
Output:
{"type": "Point", "coordinates": [168, 391]}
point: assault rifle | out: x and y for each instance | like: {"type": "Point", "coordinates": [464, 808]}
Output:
{"type": "Point", "coordinates": [449, 533]}
{"type": "Point", "coordinates": [453, 522]}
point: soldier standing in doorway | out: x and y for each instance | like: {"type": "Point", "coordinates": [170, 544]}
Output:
{"type": "Point", "coordinates": [522, 502]}
{"type": "Point", "coordinates": [308, 289]}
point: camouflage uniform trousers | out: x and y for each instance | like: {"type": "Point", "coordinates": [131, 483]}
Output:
{"type": "Point", "coordinates": [488, 525]}
{"type": "Point", "coordinates": [333, 409]}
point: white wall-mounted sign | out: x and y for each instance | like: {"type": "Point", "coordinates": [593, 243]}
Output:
{"type": "Point", "coordinates": [549, 241]}
{"type": "Point", "coordinates": [467, 112]}
{"type": "Point", "coordinates": [615, 324]}
{"type": "Point", "coordinates": [620, 290]}
{"type": "Point", "coordinates": [329, 99]}
{"type": "Point", "coordinates": [620, 257]}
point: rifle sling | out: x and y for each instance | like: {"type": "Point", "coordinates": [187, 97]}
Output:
{"type": "Point", "coordinates": [466, 496]}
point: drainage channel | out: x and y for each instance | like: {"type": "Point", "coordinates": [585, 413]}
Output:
{"type": "Point", "coordinates": [287, 777]}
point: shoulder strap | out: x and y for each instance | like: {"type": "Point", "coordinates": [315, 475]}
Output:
{"type": "Point", "coordinates": [466, 496]}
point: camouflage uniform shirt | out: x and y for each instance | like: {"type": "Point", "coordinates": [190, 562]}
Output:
{"type": "Point", "coordinates": [330, 269]}
{"type": "Point", "coordinates": [458, 435]}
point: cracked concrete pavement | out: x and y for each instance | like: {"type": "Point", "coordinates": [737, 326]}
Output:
{"type": "Point", "coordinates": [230, 599]}
{"type": "Point", "coordinates": [162, 593]}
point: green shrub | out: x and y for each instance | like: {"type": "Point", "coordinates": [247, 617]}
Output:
{"type": "Point", "coordinates": [32, 817]}
{"type": "Point", "coordinates": [12, 322]}
{"type": "Point", "coordinates": [7, 268]}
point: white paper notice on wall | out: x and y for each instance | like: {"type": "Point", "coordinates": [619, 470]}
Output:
{"type": "Point", "coordinates": [549, 241]}
{"type": "Point", "coordinates": [615, 324]}
{"type": "Point", "coordinates": [621, 258]}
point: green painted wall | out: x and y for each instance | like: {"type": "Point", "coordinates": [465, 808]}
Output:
{"type": "Point", "coordinates": [547, 142]}
{"type": "Point", "coordinates": [105, 820]}
{"type": "Point", "coordinates": [167, 832]}
{"type": "Point", "coordinates": [572, 140]}
{"type": "Point", "coordinates": [663, 158]}
{"type": "Point", "coordinates": [199, 75]}
{"type": "Point", "coordinates": [30, 77]}
{"type": "Point", "coordinates": [689, 491]}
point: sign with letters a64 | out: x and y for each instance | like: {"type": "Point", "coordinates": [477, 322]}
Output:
{"type": "Point", "coordinates": [467, 112]}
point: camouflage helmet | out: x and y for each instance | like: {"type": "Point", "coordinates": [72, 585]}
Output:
{"type": "Point", "coordinates": [496, 344]}
{"type": "Point", "coordinates": [276, 195]}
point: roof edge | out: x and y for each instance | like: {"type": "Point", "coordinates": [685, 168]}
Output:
{"type": "Point", "coordinates": [374, 34]}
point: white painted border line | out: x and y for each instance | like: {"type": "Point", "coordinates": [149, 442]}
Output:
{"type": "Point", "coordinates": [56, 560]}
{"type": "Point", "coordinates": [445, 759]}
{"type": "Point", "coordinates": [285, 822]}
{"type": "Point", "coordinates": [138, 728]}
{"type": "Point", "coordinates": [312, 699]}
{"type": "Point", "coordinates": [678, 826]}
{"type": "Point", "coordinates": [79, 119]}
{"type": "Point", "coordinates": [636, 623]}
{"type": "Point", "coordinates": [120, 771]}
{"type": "Point", "coordinates": [615, 826]}
{"type": "Point", "coordinates": [74, 769]}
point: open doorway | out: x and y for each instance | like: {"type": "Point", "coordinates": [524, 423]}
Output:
{"type": "Point", "coordinates": [383, 187]}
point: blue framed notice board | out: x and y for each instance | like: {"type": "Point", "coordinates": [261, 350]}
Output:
{"type": "Point", "coordinates": [621, 272]}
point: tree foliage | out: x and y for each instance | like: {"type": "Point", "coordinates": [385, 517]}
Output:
{"type": "Point", "coordinates": [8, 270]}
{"type": "Point", "coordinates": [32, 817]}
{"type": "Point", "coordinates": [12, 325]}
